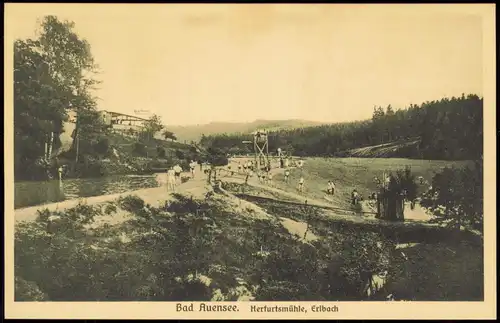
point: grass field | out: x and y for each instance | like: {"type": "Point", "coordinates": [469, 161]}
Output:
{"type": "Point", "coordinates": [354, 173]}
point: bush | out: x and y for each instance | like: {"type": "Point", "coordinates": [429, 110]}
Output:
{"type": "Point", "coordinates": [102, 146]}
{"type": "Point", "coordinates": [160, 253]}
{"type": "Point", "coordinates": [456, 196]}
{"type": "Point", "coordinates": [28, 291]}
{"type": "Point", "coordinates": [139, 150]}
{"type": "Point", "coordinates": [160, 151]}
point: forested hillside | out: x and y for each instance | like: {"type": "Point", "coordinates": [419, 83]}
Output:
{"type": "Point", "coordinates": [448, 129]}
{"type": "Point", "coordinates": [195, 132]}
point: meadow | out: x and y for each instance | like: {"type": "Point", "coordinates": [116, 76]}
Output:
{"type": "Point", "coordinates": [355, 173]}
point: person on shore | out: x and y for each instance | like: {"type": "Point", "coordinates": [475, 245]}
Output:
{"type": "Point", "coordinates": [239, 167]}
{"type": "Point", "coordinates": [287, 175]}
{"type": "Point", "coordinates": [171, 179]}
{"type": "Point", "coordinates": [177, 171]}
{"type": "Point", "coordinates": [60, 171]}
{"type": "Point", "coordinates": [301, 184]}
{"type": "Point", "coordinates": [200, 162]}
{"type": "Point", "coordinates": [354, 197]}
{"type": "Point", "coordinates": [270, 178]}
{"type": "Point", "coordinates": [300, 163]}
{"type": "Point", "coordinates": [192, 165]}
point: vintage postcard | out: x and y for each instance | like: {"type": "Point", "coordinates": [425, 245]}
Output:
{"type": "Point", "coordinates": [258, 161]}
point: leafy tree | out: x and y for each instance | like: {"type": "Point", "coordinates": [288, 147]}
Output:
{"type": "Point", "coordinates": [52, 74]}
{"type": "Point", "coordinates": [169, 135]}
{"type": "Point", "coordinates": [216, 158]}
{"type": "Point", "coordinates": [456, 197]}
{"type": "Point", "coordinates": [152, 126]}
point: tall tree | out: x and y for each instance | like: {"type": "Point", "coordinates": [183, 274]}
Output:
{"type": "Point", "coordinates": [152, 126]}
{"type": "Point", "coordinates": [52, 74]}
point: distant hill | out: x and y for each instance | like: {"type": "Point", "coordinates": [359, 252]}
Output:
{"type": "Point", "coordinates": [194, 132]}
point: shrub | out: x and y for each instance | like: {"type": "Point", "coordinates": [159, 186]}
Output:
{"type": "Point", "coordinates": [139, 149]}
{"type": "Point", "coordinates": [102, 146]}
{"type": "Point", "coordinates": [456, 196]}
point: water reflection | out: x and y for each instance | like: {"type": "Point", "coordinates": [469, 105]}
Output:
{"type": "Point", "coordinates": [37, 193]}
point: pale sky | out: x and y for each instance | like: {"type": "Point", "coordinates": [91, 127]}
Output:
{"type": "Point", "coordinates": [197, 63]}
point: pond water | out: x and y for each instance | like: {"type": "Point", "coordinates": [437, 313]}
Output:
{"type": "Point", "coordinates": [33, 193]}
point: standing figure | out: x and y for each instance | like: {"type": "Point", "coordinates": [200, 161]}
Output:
{"type": "Point", "coordinates": [177, 171]}
{"type": "Point", "coordinates": [270, 178]}
{"type": "Point", "coordinates": [171, 179]}
{"type": "Point", "coordinates": [192, 165]}
{"type": "Point", "coordinates": [287, 175]}
{"type": "Point", "coordinates": [354, 197]}
{"type": "Point", "coordinates": [300, 163]}
{"type": "Point", "coordinates": [60, 172]}
{"type": "Point", "coordinates": [301, 184]}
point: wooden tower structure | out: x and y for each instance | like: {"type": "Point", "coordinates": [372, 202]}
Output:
{"type": "Point", "coordinates": [261, 148]}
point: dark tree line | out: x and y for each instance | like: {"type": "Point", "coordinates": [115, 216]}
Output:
{"type": "Point", "coordinates": [448, 129]}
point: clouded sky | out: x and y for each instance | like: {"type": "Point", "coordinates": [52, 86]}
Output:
{"type": "Point", "coordinates": [201, 63]}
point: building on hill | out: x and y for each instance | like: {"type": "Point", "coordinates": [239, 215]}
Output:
{"type": "Point", "coordinates": [123, 123]}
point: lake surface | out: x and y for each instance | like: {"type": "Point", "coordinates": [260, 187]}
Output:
{"type": "Point", "coordinates": [43, 192]}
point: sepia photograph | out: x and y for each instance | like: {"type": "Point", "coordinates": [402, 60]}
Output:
{"type": "Point", "coordinates": [265, 159]}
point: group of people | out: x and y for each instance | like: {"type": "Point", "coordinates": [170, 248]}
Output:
{"type": "Point", "coordinates": [174, 177]}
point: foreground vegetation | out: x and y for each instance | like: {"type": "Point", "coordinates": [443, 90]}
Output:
{"type": "Point", "coordinates": [219, 249]}
{"type": "Point", "coordinates": [188, 250]}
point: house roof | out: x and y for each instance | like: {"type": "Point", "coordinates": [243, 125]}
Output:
{"type": "Point", "coordinates": [115, 114]}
